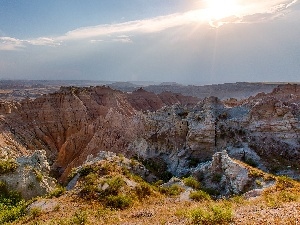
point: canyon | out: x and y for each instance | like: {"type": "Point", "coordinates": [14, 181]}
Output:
{"type": "Point", "coordinates": [167, 130]}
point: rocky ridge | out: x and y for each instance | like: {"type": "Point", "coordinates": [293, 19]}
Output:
{"type": "Point", "coordinates": [174, 130]}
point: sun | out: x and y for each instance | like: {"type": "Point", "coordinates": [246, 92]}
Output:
{"type": "Point", "coordinates": [218, 9]}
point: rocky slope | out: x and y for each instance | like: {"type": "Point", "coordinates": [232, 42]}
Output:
{"type": "Point", "coordinates": [167, 131]}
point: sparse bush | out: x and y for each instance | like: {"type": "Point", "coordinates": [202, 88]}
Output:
{"type": "Point", "coordinates": [38, 175]}
{"type": "Point", "coordinates": [118, 201]}
{"type": "Point", "coordinates": [199, 196]}
{"type": "Point", "coordinates": [183, 114]}
{"type": "Point", "coordinates": [115, 185]}
{"type": "Point", "coordinates": [86, 170]}
{"type": "Point", "coordinates": [7, 166]}
{"type": "Point", "coordinates": [143, 190]}
{"type": "Point", "coordinates": [35, 212]}
{"type": "Point", "coordinates": [286, 196]}
{"type": "Point", "coordinates": [192, 182]}
{"type": "Point", "coordinates": [79, 218]}
{"type": "Point", "coordinates": [173, 190]}
{"type": "Point", "coordinates": [238, 199]}
{"type": "Point", "coordinates": [58, 191]}
{"type": "Point", "coordinates": [211, 215]}
{"type": "Point", "coordinates": [9, 197]}
{"type": "Point", "coordinates": [275, 200]}
{"type": "Point", "coordinates": [90, 186]}
{"type": "Point", "coordinates": [158, 183]}
{"type": "Point", "coordinates": [284, 182]}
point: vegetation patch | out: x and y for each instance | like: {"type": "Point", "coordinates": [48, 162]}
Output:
{"type": "Point", "coordinates": [199, 196]}
{"type": "Point", "coordinates": [172, 190]}
{"type": "Point", "coordinates": [214, 213]}
{"type": "Point", "coordinates": [158, 167]}
{"type": "Point", "coordinates": [118, 201]}
{"type": "Point", "coordinates": [58, 191]}
{"type": "Point", "coordinates": [192, 182]}
{"type": "Point", "coordinates": [12, 206]}
{"type": "Point", "coordinates": [7, 166]}
{"type": "Point", "coordinates": [143, 190]}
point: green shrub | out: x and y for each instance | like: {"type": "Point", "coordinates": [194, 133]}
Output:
{"type": "Point", "coordinates": [118, 201]}
{"type": "Point", "coordinates": [199, 195]}
{"type": "Point", "coordinates": [143, 190]}
{"type": "Point", "coordinates": [90, 186]}
{"type": "Point", "coordinates": [35, 212]}
{"type": "Point", "coordinates": [286, 196]}
{"type": "Point", "coordinates": [192, 182]}
{"type": "Point", "coordinates": [9, 197]}
{"type": "Point", "coordinates": [79, 218]}
{"type": "Point", "coordinates": [86, 170]}
{"type": "Point", "coordinates": [212, 214]}
{"type": "Point", "coordinates": [173, 190]}
{"type": "Point", "coordinates": [115, 184]}
{"type": "Point", "coordinates": [284, 182]}
{"type": "Point", "coordinates": [275, 200]}
{"type": "Point", "coordinates": [7, 166]}
{"type": "Point", "coordinates": [58, 191]}
{"type": "Point", "coordinates": [12, 213]}
{"type": "Point", "coordinates": [12, 206]}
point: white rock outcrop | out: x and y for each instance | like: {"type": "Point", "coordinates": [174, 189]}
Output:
{"type": "Point", "coordinates": [224, 175]}
{"type": "Point", "coordinates": [31, 178]}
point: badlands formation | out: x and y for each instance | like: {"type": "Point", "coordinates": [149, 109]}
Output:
{"type": "Point", "coordinates": [99, 142]}
{"type": "Point", "coordinates": [175, 131]}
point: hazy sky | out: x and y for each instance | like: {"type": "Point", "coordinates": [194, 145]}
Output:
{"type": "Point", "coordinates": [187, 41]}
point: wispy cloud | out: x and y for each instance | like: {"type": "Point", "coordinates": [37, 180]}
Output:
{"type": "Point", "coordinates": [11, 44]}
{"type": "Point", "coordinates": [44, 41]}
{"type": "Point", "coordinates": [249, 11]}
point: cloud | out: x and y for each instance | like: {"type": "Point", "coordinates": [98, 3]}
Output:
{"type": "Point", "coordinates": [119, 38]}
{"type": "Point", "coordinates": [44, 41]}
{"type": "Point", "coordinates": [11, 44]}
{"type": "Point", "coordinates": [249, 11]}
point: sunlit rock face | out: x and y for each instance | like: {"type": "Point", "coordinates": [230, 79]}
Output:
{"type": "Point", "coordinates": [177, 130]}
{"type": "Point", "coordinates": [226, 176]}
{"type": "Point", "coordinates": [31, 177]}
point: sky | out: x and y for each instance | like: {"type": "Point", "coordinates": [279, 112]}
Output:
{"type": "Point", "coordinates": [184, 41]}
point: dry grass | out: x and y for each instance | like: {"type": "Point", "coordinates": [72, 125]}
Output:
{"type": "Point", "coordinates": [279, 204]}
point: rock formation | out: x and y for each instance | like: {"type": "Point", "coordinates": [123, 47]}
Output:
{"type": "Point", "coordinates": [170, 129]}
{"type": "Point", "coordinates": [31, 177]}
{"type": "Point", "coordinates": [226, 177]}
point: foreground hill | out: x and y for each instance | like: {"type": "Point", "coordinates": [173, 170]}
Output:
{"type": "Point", "coordinates": [107, 190]}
